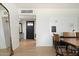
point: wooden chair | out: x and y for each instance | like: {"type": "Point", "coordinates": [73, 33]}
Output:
{"type": "Point", "coordinates": [77, 34]}
{"type": "Point", "coordinates": [69, 34]}
{"type": "Point", "coordinates": [58, 47]}
{"type": "Point", "coordinates": [60, 50]}
{"type": "Point", "coordinates": [56, 37]}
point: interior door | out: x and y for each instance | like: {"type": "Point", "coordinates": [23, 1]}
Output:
{"type": "Point", "coordinates": [30, 29]}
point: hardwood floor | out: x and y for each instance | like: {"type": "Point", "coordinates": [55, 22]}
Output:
{"type": "Point", "coordinates": [27, 43]}
{"type": "Point", "coordinates": [28, 48]}
{"type": "Point", "coordinates": [5, 52]}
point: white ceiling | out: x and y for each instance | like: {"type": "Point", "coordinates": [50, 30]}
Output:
{"type": "Point", "coordinates": [47, 5]}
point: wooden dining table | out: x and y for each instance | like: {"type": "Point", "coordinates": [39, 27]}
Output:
{"type": "Point", "coordinates": [72, 42]}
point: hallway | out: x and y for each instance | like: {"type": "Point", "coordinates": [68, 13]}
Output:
{"type": "Point", "coordinates": [27, 43]}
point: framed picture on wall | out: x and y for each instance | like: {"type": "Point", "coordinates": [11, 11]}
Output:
{"type": "Point", "coordinates": [53, 28]}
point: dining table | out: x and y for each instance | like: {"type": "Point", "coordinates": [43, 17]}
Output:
{"type": "Point", "coordinates": [71, 42]}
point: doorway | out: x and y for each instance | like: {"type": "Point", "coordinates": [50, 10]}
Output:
{"type": "Point", "coordinates": [30, 30]}
{"type": "Point", "coordinates": [27, 31]}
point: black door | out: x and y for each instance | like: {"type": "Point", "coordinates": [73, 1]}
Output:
{"type": "Point", "coordinates": [30, 29]}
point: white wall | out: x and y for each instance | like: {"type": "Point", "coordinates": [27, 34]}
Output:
{"type": "Point", "coordinates": [43, 37]}
{"type": "Point", "coordinates": [2, 37]}
{"type": "Point", "coordinates": [61, 18]}
{"type": "Point", "coordinates": [14, 24]}
{"type": "Point", "coordinates": [6, 29]}
{"type": "Point", "coordinates": [24, 28]}
{"type": "Point", "coordinates": [64, 20]}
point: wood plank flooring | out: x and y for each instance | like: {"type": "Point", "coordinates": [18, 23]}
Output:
{"type": "Point", "coordinates": [27, 43]}
{"type": "Point", "coordinates": [5, 52]}
{"type": "Point", "coordinates": [28, 48]}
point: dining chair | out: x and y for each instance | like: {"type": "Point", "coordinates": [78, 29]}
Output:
{"type": "Point", "coordinates": [77, 34]}
{"type": "Point", "coordinates": [57, 45]}
{"type": "Point", "coordinates": [60, 50]}
{"type": "Point", "coordinates": [69, 34]}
